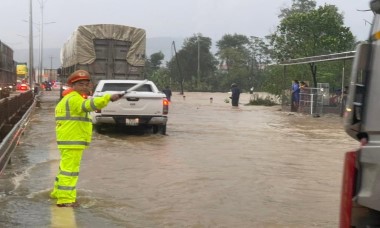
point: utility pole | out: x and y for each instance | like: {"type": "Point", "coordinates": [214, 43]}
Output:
{"type": "Point", "coordinates": [199, 64]}
{"type": "Point", "coordinates": [42, 38]}
{"type": "Point", "coordinates": [51, 67]}
{"type": "Point", "coordinates": [179, 68]}
{"type": "Point", "coordinates": [31, 70]}
{"type": "Point", "coordinates": [41, 41]}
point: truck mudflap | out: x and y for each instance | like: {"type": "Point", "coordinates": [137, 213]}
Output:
{"type": "Point", "coordinates": [348, 184]}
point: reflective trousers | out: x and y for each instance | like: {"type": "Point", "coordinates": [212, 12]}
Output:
{"type": "Point", "coordinates": [66, 180]}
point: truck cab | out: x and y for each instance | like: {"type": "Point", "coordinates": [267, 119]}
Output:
{"type": "Point", "coordinates": [360, 203]}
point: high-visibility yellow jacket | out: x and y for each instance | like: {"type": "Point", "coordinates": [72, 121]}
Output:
{"type": "Point", "coordinates": [73, 121]}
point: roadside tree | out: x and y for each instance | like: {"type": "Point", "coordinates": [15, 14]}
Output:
{"type": "Point", "coordinates": [196, 62]}
{"type": "Point", "coordinates": [306, 31]}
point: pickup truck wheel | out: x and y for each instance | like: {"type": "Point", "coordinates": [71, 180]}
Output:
{"type": "Point", "coordinates": [163, 129]}
{"type": "Point", "coordinates": [98, 128]}
{"type": "Point", "coordinates": [155, 129]}
{"type": "Point", "coordinates": [159, 128]}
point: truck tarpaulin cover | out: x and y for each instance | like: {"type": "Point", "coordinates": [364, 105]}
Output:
{"type": "Point", "coordinates": [79, 49]}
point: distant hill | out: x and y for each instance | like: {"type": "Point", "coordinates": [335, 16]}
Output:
{"type": "Point", "coordinates": [52, 55]}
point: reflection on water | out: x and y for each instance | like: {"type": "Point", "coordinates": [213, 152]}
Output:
{"type": "Point", "coordinates": [62, 217]}
{"type": "Point", "coordinates": [219, 166]}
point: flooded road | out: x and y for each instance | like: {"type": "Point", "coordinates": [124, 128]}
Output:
{"type": "Point", "coordinates": [217, 166]}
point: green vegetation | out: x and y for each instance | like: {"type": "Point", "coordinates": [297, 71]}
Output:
{"type": "Point", "coordinates": [304, 30]}
{"type": "Point", "coordinates": [266, 101]}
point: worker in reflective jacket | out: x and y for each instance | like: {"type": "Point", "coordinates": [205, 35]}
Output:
{"type": "Point", "coordinates": [74, 131]}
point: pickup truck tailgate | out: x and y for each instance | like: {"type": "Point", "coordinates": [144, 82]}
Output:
{"type": "Point", "coordinates": [136, 104]}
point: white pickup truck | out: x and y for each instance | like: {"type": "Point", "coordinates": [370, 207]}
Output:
{"type": "Point", "coordinates": [142, 105]}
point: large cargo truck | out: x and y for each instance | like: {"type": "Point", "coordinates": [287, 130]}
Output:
{"type": "Point", "coordinates": [8, 75]}
{"type": "Point", "coordinates": [360, 197]}
{"type": "Point", "coordinates": [106, 51]}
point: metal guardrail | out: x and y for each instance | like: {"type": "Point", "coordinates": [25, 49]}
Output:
{"type": "Point", "coordinates": [14, 114]}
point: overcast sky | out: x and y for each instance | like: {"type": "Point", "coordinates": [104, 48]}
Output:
{"type": "Point", "coordinates": [160, 18]}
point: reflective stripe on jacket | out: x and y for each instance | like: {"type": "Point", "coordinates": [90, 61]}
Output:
{"type": "Point", "coordinates": [73, 122]}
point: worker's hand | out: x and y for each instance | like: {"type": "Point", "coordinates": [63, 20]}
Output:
{"type": "Point", "coordinates": [116, 96]}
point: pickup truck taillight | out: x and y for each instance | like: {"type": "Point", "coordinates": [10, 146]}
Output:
{"type": "Point", "coordinates": [165, 106]}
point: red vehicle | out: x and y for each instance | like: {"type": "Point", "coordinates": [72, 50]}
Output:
{"type": "Point", "coordinates": [360, 197]}
{"type": "Point", "coordinates": [22, 87]}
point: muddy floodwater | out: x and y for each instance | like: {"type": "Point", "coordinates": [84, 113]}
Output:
{"type": "Point", "coordinates": [218, 166]}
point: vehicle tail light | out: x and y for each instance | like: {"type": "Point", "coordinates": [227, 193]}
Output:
{"type": "Point", "coordinates": [23, 88]}
{"type": "Point", "coordinates": [348, 185]}
{"type": "Point", "coordinates": [165, 104]}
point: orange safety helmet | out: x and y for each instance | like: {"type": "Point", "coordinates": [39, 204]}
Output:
{"type": "Point", "coordinates": [78, 76]}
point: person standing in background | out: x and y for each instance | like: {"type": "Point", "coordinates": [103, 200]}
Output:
{"type": "Point", "coordinates": [167, 91]}
{"type": "Point", "coordinates": [235, 94]}
{"type": "Point", "coordinates": [304, 96]}
{"type": "Point", "coordinates": [295, 95]}
{"type": "Point", "coordinates": [303, 85]}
